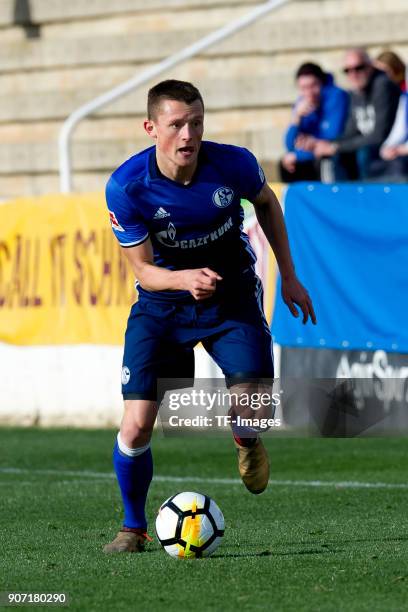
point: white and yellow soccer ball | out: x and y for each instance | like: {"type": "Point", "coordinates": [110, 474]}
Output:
{"type": "Point", "coordinates": [189, 525]}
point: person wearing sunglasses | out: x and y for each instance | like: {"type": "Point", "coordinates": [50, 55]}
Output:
{"type": "Point", "coordinates": [373, 106]}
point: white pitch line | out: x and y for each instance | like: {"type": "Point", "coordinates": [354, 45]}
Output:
{"type": "Point", "coordinates": [82, 473]}
{"type": "Point", "coordinates": [347, 484]}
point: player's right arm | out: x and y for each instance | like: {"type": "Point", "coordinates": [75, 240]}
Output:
{"type": "Point", "coordinates": [132, 233]}
{"type": "Point", "coordinates": [200, 282]}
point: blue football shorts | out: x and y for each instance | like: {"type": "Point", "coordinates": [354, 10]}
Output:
{"type": "Point", "coordinates": [160, 338]}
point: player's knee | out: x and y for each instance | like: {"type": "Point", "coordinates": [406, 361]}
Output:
{"type": "Point", "coordinates": [136, 434]}
{"type": "Point", "coordinates": [138, 422]}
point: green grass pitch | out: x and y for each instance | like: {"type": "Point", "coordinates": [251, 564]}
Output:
{"type": "Point", "coordinates": [299, 546]}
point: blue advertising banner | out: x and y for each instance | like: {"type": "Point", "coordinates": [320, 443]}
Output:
{"type": "Point", "coordinates": [350, 248]}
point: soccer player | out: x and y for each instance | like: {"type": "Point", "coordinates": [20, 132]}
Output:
{"type": "Point", "coordinates": [175, 209]}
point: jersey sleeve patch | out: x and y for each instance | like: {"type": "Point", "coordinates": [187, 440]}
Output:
{"type": "Point", "coordinates": [114, 222]}
{"type": "Point", "coordinates": [126, 221]}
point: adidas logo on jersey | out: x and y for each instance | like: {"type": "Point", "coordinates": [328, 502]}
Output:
{"type": "Point", "coordinates": [161, 213]}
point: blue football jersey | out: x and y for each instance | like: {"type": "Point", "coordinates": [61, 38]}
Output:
{"type": "Point", "coordinates": [190, 226]}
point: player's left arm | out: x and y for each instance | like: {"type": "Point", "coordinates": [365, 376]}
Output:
{"type": "Point", "coordinates": [270, 217]}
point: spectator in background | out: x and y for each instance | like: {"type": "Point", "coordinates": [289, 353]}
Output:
{"type": "Point", "coordinates": [393, 66]}
{"type": "Point", "coordinates": [320, 111]}
{"type": "Point", "coordinates": [374, 102]}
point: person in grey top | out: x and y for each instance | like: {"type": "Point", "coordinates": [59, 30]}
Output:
{"type": "Point", "coordinates": [374, 103]}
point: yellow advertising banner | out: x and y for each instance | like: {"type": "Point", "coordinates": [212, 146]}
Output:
{"type": "Point", "coordinates": [64, 278]}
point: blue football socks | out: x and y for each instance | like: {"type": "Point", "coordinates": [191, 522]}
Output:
{"type": "Point", "coordinates": [134, 474]}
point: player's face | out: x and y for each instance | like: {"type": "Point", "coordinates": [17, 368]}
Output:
{"type": "Point", "coordinates": [177, 129]}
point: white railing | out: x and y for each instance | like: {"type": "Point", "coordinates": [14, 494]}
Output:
{"type": "Point", "coordinates": [64, 141]}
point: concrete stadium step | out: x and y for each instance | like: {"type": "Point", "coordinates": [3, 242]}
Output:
{"type": "Point", "coordinates": [18, 158]}
{"type": "Point", "coordinates": [106, 77]}
{"type": "Point", "coordinates": [168, 19]}
{"type": "Point", "coordinates": [17, 186]}
{"type": "Point", "coordinates": [196, 70]}
{"type": "Point", "coordinates": [59, 10]}
{"type": "Point", "coordinates": [54, 11]}
{"type": "Point", "coordinates": [38, 95]}
{"type": "Point", "coordinates": [238, 93]}
{"type": "Point", "coordinates": [268, 36]}
{"type": "Point", "coordinates": [134, 23]}
{"type": "Point", "coordinates": [131, 127]}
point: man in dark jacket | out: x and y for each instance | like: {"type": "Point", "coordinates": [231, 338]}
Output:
{"type": "Point", "coordinates": [320, 111]}
{"type": "Point", "coordinates": [374, 103]}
